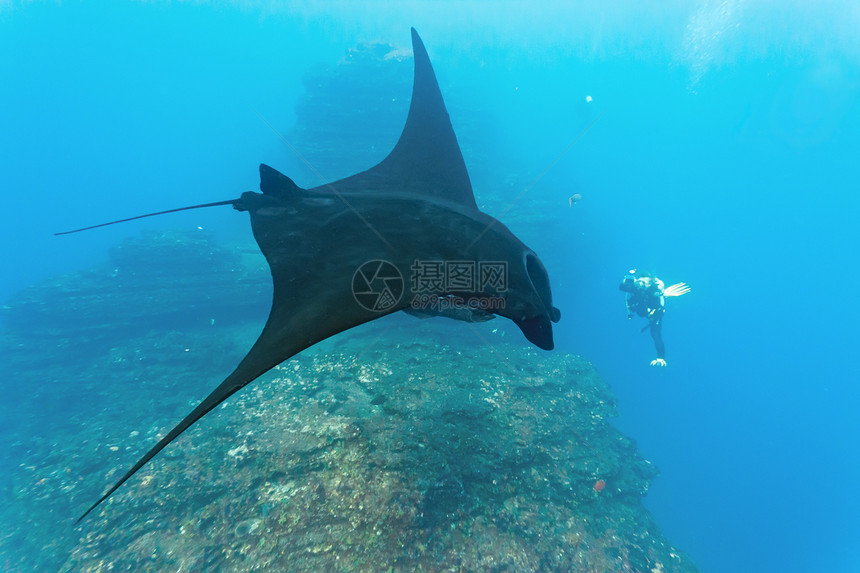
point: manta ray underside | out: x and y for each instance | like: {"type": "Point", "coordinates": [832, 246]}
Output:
{"type": "Point", "coordinates": [348, 252]}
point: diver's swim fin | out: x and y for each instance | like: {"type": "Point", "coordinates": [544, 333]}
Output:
{"type": "Point", "coordinates": [676, 289]}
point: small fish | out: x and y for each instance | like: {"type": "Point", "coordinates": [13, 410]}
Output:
{"type": "Point", "coordinates": [575, 198]}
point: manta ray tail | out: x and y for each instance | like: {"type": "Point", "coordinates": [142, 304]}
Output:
{"type": "Point", "coordinates": [216, 204]}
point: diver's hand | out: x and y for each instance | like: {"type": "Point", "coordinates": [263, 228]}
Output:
{"type": "Point", "coordinates": [676, 289]}
{"type": "Point", "coordinates": [658, 362]}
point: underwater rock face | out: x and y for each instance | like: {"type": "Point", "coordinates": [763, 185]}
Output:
{"type": "Point", "coordinates": [403, 445]}
{"type": "Point", "coordinates": [461, 463]}
{"type": "Point", "coordinates": [145, 283]}
{"type": "Point", "coordinates": [352, 113]}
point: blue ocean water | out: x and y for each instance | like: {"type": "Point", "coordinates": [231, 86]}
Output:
{"type": "Point", "coordinates": [718, 148]}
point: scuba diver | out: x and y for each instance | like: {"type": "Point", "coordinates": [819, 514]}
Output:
{"type": "Point", "coordinates": [646, 296]}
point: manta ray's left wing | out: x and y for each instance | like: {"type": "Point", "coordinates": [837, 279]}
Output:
{"type": "Point", "coordinates": [312, 275]}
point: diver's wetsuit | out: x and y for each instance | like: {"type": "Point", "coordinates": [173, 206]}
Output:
{"type": "Point", "coordinates": [645, 298]}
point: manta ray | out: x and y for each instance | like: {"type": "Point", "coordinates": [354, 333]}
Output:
{"type": "Point", "coordinates": [378, 242]}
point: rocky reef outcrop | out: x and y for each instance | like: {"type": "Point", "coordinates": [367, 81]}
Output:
{"type": "Point", "coordinates": [404, 445]}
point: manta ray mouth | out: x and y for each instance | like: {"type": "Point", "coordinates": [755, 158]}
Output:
{"type": "Point", "coordinates": [538, 331]}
